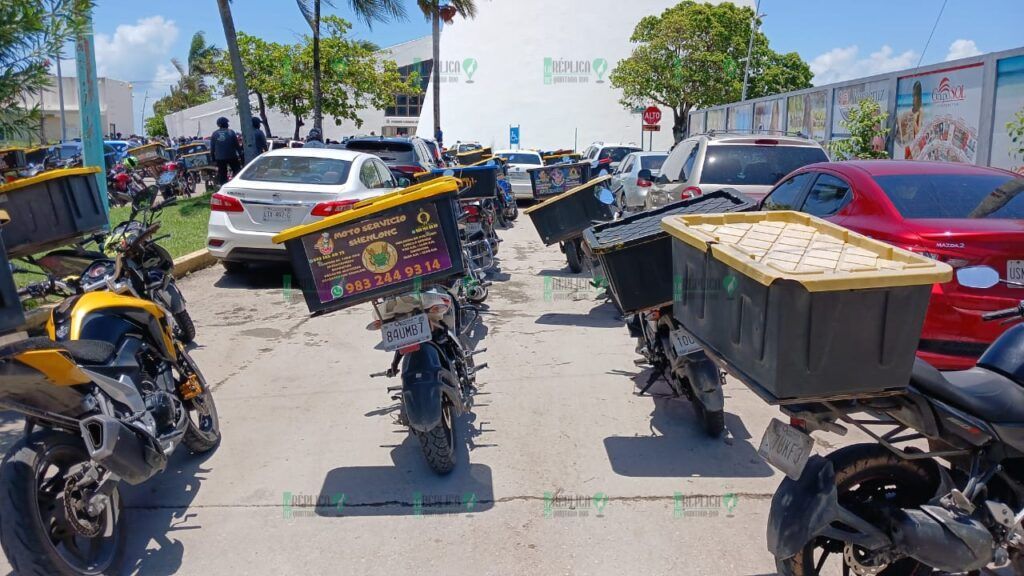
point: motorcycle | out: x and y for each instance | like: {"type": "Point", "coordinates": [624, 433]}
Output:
{"type": "Point", "coordinates": [107, 398]}
{"type": "Point", "coordinates": [677, 357]}
{"type": "Point", "coordinates": [145, 272]}
{"type": "Point", "coordinates": [479, 236]}
{"type": "Point", "coordinates": [507, 210]}
{"type": "Point", "coordinates": [892, 508]}
{"type": "Point", "coordinates": [424, 330]}
{"type": "Point", "coordinates": [123, 185]}
{"type": "Point", "coordinates": [175, 180]}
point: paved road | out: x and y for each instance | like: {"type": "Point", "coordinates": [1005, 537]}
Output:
{"type": "Point", "coordinates": [564, 470]}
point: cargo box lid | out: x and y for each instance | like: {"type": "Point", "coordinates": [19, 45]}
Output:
{"type": "Point", "coordinates": [567, 193]}
{"type": "Point", "coordinates": [646, 226]}
{"type": "Point", "coordinates": [429, 189]}
{"type": "Point", "coordinates": [46, 176]}
{"type": "Point", "coordinates": [768, 246]}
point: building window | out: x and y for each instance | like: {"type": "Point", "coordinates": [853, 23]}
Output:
{"type": "Point", "coordinates": [410, 106]}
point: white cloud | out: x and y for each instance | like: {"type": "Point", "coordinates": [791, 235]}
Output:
{"type": "Point", "coordinates": [134, 51]}
{"type": "Point", "coordinates": [961, 48]}
{"type": "Point", "coordinates": [166, 74]}
{"type": "Point", "coordinates": [840, 64]}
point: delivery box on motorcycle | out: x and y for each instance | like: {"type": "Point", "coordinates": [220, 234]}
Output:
{"type": "Point", "coordinates": [390, 245]}
{"type": "Point", "coordinates": [799, 308]}
{"type": "Point", "coordinates": [149, 155]}
{"type": "Point", "coordinates": [50, 209]}
{"type": "Point", "coordinates": [633, 251]}
{"type": "Point", "coordinates": [477, 181]}
{"type": "Point", "coordinates": [567, 215]}
{"type": "Point", "coordinates": [553, 180]}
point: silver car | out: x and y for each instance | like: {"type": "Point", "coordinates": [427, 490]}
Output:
{"type": "Point", "coordinates": [750, 163]}
{"type": "Point", "coordinates": [519, 161]}
{"type": "Point", "coordinates": [634, 177]}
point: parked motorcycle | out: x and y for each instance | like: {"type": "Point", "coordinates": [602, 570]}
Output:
{"type": "Point", "coordinates": [107, 399]}
{"type": "Point", "coordinates": [892, 508]}
{"type": "Point", "coordinates": [677, 357]}
{"type": "Point", "coordinates": [424, 330]}
{"type": "Point", "coordinates": [507, 210]}
{"type": "Point", "coordinates": [175, 180]}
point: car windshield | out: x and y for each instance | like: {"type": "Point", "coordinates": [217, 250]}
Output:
{"type": "Point", "coordinates": [753, 165]}
{"type": "Point", "coordinates": [616, 153]}
{"type": "Point", "coordinates": [519, 158]}
{"type": "Point", "coordinates": [67, 152]}
{"type": "Point", "coordinates": [297, 170]}
{"type": "Point", "coordinates": [955, 195]}
{"type": "Point", "coordinates": [387, 151]}
{"type": "Point", "coordinates": [652, 163]}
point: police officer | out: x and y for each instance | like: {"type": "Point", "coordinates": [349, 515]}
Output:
{"type": "Point", "coordinates": [226, 150]}
{"type": "Point", "coordinates": [315, 139]}
{"type": "Point", "coordinates": [261, 138]}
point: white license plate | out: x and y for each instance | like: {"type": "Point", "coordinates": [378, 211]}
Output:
{"type": "Point", "coordinates": [473, 227]}
{"type": "Point", "coordinates": [786, 448]}
{"type": "Point", "coordinates": [277, 215]}
{"type": "Point", "coordinates": [406, 332]}
{"type": "Point", "coordinates": [682, 342]}
{"type": "Point", "coordinates": [1015, 272]}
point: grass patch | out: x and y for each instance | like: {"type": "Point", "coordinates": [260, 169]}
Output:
{"type": "Point", "coordinates": [185, 222]}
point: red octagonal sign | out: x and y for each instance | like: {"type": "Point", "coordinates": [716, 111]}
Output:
{"type": "Point", "coordinates": [652, 115]}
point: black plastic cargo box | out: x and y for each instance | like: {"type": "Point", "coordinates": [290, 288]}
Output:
{"type": "Point", "coordinates": [798, 308]}
{"type": "Point", "coordinates": [635, 252]}
{"type": "Point", "coordinates": [12, 159]}
{"type": "Point", "coordinates": [51, 209]}
{"type": "Point", "coordinates": [478, 181]}
{"type": "Point", "coordinates": [560, 156]}
{"type": "Point", "coordinates": [12, 315]}
{"type": "Point", "coordinates": [473, 156]}
{"type": "Point", "coordinates": [196, 160]}
{"type": "Point", "coordinates": [149, 155]}
{"type": "Point", "coordinates": [567, 215]}
{"type": "Point", "coordinates": [558, 178]}
{"type": "Point", "coordinates": [392, 245]}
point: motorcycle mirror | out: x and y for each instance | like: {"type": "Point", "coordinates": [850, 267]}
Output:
{"type": "Point", "coordinates": [605, 196]}
{"type": "Point", "coordinates": [977, 276]}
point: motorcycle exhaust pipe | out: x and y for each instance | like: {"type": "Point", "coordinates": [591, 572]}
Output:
{"type": "Point", "coordinates": [942, 539]}
{"type": "Point", "coordinates": [131, 454]}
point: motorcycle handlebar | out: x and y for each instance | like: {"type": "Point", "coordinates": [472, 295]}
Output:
{"type": "Point", "coordinates": [1000, 314]}
{"type": "Point", "coordinates": [145, 234]}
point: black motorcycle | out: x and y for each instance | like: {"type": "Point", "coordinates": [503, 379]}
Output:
{"type": "Point", "coordinates": [893, 508]}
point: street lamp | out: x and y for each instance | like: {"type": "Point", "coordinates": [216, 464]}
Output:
{"type": "Point", "coordinates": [755, 25]}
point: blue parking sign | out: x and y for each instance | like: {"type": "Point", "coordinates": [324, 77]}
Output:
{"type": "Point", "coordinates": [513, 135]}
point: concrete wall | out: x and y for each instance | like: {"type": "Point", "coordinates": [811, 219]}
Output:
{"type": "Point", "coordinates": [116, 104]}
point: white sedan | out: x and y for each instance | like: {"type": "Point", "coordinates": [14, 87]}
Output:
{"type": "Point", "coordinates": [519, 161]}
{"type": "Point", "coordinates": [285, 188]}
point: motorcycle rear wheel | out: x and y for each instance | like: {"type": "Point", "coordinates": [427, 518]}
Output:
{"type": "Point", "coordinates": [203, 433]}
{"type": "Point", "coordinates": [713, 421]}
{"type": "Point", "coordinates": [36, 535]}
{"type": "Point", "coordinates": [438, 443]}
{"type": "Point", "coordinates": [574, 256]}
{"type": "Point", "coordinates": [865, 472]}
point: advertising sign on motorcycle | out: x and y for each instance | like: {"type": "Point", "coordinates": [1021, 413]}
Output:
{"type": "Point", "coordinates": [558, 178]}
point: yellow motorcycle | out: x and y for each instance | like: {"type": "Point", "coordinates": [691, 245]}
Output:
{"type": "Point", "coordinates": [107, 398]}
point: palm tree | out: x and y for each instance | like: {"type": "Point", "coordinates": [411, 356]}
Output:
{"type": "Point", "coordinates": [368, 11]}
{"type": "Point", "coordinates": [432, 11]}
{"type": "Point", "coordinates": [241, 91]}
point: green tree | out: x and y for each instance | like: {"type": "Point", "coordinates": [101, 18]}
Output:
{"type": "Point", "coordinates": [691, 57]}
{"type": "Point", "coordinates": [432, 11]}
{"type": "Point", "coordinates": [369, 11]}
{"type": "Point", "coordinates": [155, 125]}
{"type": "Point", "coordinates": [241, 92]}
{"type": "Point", "coordinates": [866, 123]}
{"type": "Point", "coordinates": [260, 67]}
{"type": "Point", "coordinates": [1015, 129]}
{"type": "Point", "coordinates": [31, 31]}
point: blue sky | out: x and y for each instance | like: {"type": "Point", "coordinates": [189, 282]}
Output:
{"type": "Point", "coordinates": [840, 39]}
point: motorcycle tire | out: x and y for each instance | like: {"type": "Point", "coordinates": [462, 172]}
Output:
{"type": "Point", "coordinates": [24, 534]}
{"type": "Point", "coordinates": [713, 421]}
{"type": "Point", "coordinates": [204, 435]}
{"type": "Point", "coordinates": [190, 185]}
{"type": "Point", "coordinates": [574, 256]}
{"type": "Point", "coordinates": [438, 444]}
{"type": "Point", "coordinates": [513, 212]}
{"type": "Point", "coordinates": [184, 327]}
{"type": "Point", "coordinates": [861, 469]}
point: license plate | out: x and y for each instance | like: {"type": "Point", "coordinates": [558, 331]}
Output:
{"type": "Point", "coordinates": [786, 448]}
{"type": "Point", "coordinates": [277, 214]}
{"type": "Point", "coordinates": [683, 343]}
{"type": "Point", "coordinates": [473, 227]}
{"type": "Point", "coordinates": [406, 332]}
{"type": "Point", "coordinates": [1015, 272]}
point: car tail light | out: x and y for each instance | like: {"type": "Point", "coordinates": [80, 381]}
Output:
{"type": "Point", "coordinates": [643, 183]}
{"type": "Point", "coordinates": [224, 203]}
{"type": "Point", "coordinates": [690, 192]}
{"type": "Point", "coordinates": [216, 242]}
{"type": "Point", "coordinates": [333, 207]}
{"type": "Point", "coordinates": [766, 142]}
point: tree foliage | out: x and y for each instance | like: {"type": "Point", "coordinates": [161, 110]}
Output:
{"type": "Point", "coordinates": [866, 123]}
{"type": "Point", "coordinates": [1015, 129]}
{"type": "Point", "coordinates": [32, 32]}
{"type": "Point", "coordinates": [692, 55]}
{"type": "Point", "coordinates": [192, 88]}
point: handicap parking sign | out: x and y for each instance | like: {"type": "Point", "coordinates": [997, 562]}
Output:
{"type": "Point", "coordinates": [513, 134]}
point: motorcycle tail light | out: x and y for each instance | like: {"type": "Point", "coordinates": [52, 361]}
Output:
{"type": "Point", "coordinates": [224, 203]}
{"type": "Point", "coordinates": [690, 192]}
{"type": "Point", "coordinates": [333, 207]}
{"type": "Point", "coordinates": [473, 213]}
{"type": "Point", "coordinates": [409, 349]}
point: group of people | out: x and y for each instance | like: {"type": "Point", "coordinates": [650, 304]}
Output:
{"type": "Point", "coordinates": [229, 153]}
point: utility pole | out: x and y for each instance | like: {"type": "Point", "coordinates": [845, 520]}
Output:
{"type": "Point", "coordinates": [754, 27]}
{"type": "Point", "coordinates": [89, 107]}
{"type": "Point", "coordinates": [145, 100]}
{"type": "Point", "coordinates": [60, 99]}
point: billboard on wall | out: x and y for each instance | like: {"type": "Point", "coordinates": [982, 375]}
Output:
{"type": "Point", "coordinates": [716, 120]}
{"type": "Point", "coordinates": [847, 97]}
{"type": "Point", "coordinates": [806, 114]}
{"type": "Point", "coordinates": [741, 117]}
{"type": "Point", "coordinates": [768, 115]}
{"type": "Point", "coordinates": [1009, 103]}
{"type": "Point", "coordinates": [937, 114]}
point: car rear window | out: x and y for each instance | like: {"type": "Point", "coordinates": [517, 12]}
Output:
{"type": "Point", "coordinates": [616, 153]}
{"type": "Point", "coordinates": [753, 165]}
{"type": "Point", "coordinates": [652, 163]}
{"type": "Point", "coordinates": [386, 151]}
{"type": "Point", "coordinates": [522, 158]}
{"type": "Point", "coordinates": [955, 195]}
{"type": "Point", "coordinates": [297, 170]}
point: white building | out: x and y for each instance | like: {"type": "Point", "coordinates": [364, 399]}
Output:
{"type": "Point", "coordinates": [115, 108]}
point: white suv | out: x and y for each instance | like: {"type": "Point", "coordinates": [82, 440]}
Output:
{"type": "Point", "coordinates": [751, 163]}
{"type": "Point", "coordinates": [607, 156]}
{"type": "Point", "coordinates": [519, 164]}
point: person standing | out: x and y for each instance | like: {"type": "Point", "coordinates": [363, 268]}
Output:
{"type": "Point", "coordinates": [261, 138]}
{"type": "Point", "coordinates": [226, 150]}
{"type": "Point", "coordinates": [315, 139]}
{"type": "Point", "coordinates": [439, 138]}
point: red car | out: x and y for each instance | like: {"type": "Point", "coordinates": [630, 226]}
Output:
{"type": "Point", "coordinates": [960, 214]}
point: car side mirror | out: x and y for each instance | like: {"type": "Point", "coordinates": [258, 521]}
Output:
{"type": "Point", "coordinates": [644, 174]}
{"type": "Point", "coordinates": [663, 179]}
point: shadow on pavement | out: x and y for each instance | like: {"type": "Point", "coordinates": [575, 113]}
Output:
{"type": "Point", "coordinates": [562, 273]}
{"type": "Point", "coordinates": [604, 315]}
{"type": "Point", "coordinates": [410, 488]}
{"type": "Point", "coordinates": [679, 448]}
{"type": "Point", "coordinates": [158, 508]}
{"type": "Point", "coordinates": [259, 276]}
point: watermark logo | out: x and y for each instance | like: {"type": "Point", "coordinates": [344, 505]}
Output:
{"type": "Point", "coordinates": [574, 71]}
{"type": "Point", "coordinates": [572, 289]}
{"type": "Point", "coordinates": [558, 505]}
{"type": "Point", "coordinates": [307, 505]}
{"type": "Point", "coordinates": [600, 67]}
{"type": "Point", "coordinates": [470, 66]}
{"type": "Point", "coordinates": [682, 287]}
{"type": "Point", "coordinates": [443, 503]}
{"type": "Point", "coordinates": [455, 71]}
{"type": "Point", "coordinates": [339, 66]}
{"type": "Point", "coordinates": [704, 506]}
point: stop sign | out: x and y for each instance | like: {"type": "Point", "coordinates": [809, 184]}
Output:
{"type": "Point", "coordinates": [652, 115]}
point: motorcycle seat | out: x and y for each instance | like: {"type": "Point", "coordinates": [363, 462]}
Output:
{"type": "Point", "coordinates": [977, 391]}
{"type": "Point", "coordinates": [85, 352]}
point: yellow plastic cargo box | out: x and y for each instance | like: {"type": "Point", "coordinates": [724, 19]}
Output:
{"type": "Point", "coordinates": [800, 308]}
{"type": "Point", "coordinates": [149, 154]}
